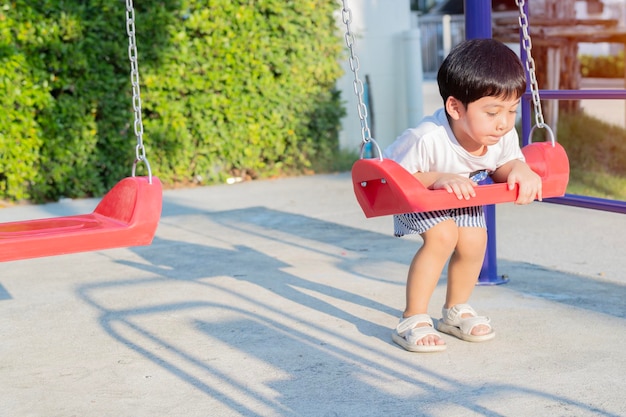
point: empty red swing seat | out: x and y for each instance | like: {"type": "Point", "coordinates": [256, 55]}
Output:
{"type": "Point", "coordinates": [383, 187]}
{"type": "Point", "coordinates": [128, 215]}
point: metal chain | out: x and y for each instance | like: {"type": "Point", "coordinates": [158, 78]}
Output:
{"type": "Point", "coordinates": [346, 15]}
{"type": "Point", "coordinates": [530, 64]}
{"type": "Point", "coordinates": [140, 150]}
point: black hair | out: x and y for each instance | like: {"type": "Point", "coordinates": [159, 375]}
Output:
{"type": "Point", "coordinates": [480, 68]}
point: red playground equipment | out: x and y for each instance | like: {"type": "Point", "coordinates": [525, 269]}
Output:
{"type": "Point", "coordinates": [383, 187]}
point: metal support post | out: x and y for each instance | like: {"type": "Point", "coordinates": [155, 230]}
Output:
{"type": "Point", "coordinates": [477, 26]}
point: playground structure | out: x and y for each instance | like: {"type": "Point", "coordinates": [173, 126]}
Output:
{"type": "Point", "coordinates": [477, 14]}
{"type": "Point", "coordinates": [480, 11]}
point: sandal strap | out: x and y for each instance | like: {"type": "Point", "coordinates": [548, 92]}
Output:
{"type": "Point", "coordinates": [418, 333]}
{"type": "Point", "coordinates": [453, 317]}
{"type": "Point", "coordinates": [412, 334]}
{"type": "Point", "coordinates": [409, 323]}
{"type": "Point", "coordinates": [469, 323]}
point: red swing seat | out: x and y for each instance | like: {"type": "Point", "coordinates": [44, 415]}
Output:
{"type": "Point", "coordinates": [383, 187]}
{"type": "Point", "coordinates": [128, 215]}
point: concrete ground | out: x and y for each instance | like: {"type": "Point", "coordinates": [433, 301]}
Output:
{"type": "Point", "coordinates": [278, 298]}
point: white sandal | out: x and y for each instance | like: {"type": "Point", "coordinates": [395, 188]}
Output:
{"type": "Point", "coordinates": [454, 324]}
{"type": "Point", "coordinates": [407, 335]}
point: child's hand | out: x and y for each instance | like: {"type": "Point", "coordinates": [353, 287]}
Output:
{"type": "Point", "coordinates": [529, 183]}
{"type": "Point", "coordinates": [461, 186]}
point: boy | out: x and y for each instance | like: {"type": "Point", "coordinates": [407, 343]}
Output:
{"type": "Point", "coordinates": [481, 83]}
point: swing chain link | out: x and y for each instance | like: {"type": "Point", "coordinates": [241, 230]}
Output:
{"type": "Point", "coordinates": [140, 150]}
{"type": "Point", "coordinates": [530, 64]}
{"type": "Point", "coordinates": [346, 15]}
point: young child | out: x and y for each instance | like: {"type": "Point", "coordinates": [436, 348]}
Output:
{"type": "Point", "coordinates": [481, 83]}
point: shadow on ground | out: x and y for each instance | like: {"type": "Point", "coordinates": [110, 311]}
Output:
{"type": "Point", "coordinates": [271, 313]}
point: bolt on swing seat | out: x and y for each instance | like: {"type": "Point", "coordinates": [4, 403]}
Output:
{"type": "Point", "coordinates": [383, 187]}
{"type": "Point", "coordinates": [128, 215]}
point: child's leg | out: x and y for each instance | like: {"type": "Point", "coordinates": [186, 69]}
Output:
{"type": "Point", "coordinates": [464, 269]}
{"type": "Point", "coordinates": [427, 264]}
{"type": "Point", "coordinates": [425, 270]}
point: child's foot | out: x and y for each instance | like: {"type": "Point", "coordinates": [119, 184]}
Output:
{"type": "Point", "coordinates": [417, 334]}
{"type": "Point", "coordinates": [463, 322]}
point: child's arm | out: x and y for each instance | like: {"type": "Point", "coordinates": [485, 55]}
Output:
{"type": "Point", "coordinates": [518, 172]}
{"type": "Point", "coordinates": [461, 186]}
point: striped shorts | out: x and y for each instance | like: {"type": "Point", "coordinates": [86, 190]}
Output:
{"type": "Point", "coordinates": [410, 223]}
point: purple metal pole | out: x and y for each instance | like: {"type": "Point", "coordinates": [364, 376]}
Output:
{"type": "Point", "coordinates": [477, 19]}
{"type": "Point", "coordinates": [478, 25]}
{"type": "Point", "coordinates": [594, 203]}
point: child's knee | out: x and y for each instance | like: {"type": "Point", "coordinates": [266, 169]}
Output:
{"type": "Point", "coordinates": [472, 240]}
{"type": "Point", "coordinates": [445, 235]}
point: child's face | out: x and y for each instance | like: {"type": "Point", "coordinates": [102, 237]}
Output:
{"type": "Point", "coordinates": [484, 122]}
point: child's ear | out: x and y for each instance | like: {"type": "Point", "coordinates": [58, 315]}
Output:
{"type": "Point", "coordinates": [454, 108]}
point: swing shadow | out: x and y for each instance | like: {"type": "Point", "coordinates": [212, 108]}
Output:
{"type": "Point", "coordinates": [302, 352]}
{"type": "Point", "coordinates": [302, 358]}
{"type": "Point", "coordinates": [602, 296]}
{"type": "Point", "coordinates": [4, 294]}
{"type": "Point", "coordinates": [572, 290]}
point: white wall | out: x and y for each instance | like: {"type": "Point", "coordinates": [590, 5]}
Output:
{"type": "Point", "coordinates": [379, 27]}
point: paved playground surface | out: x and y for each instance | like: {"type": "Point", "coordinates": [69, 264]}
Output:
{"type": "Point", "coordinates": [277, 298]}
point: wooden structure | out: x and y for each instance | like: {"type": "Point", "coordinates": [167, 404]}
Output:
{"type": "Point", "coordinates": [555, 38]}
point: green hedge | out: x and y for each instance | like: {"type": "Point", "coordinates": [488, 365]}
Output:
{"type": "Point", "coordinates": [229, 88]}
{"type": "Point", "coordinates": [611, 66]}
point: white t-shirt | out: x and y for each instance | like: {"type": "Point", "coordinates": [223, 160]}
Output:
{"type": "Point", "coordinates": [432, 147]}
